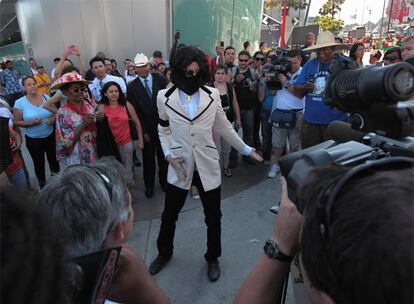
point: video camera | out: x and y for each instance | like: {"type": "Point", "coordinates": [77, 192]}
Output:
{"type": "Point", "coordinates": [279, 64]}
{"type": "Point", "coordinates": [381, 125]}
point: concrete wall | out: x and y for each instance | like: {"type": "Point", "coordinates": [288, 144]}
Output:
{"type": "Point", "coordinates": [119, 28]}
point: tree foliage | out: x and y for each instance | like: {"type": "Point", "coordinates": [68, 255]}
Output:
{"type": "Point", "coordinates": [331, 8]}
{"type": "Point", "coordinates": [295, 4]}
{"type": "Point", "coordinates": [328, 23]}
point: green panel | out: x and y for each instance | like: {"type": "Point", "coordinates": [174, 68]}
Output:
{"type": "Point", "coordinates": [16, 53]}
{"type": "Point", "coordinates": [206, 22]}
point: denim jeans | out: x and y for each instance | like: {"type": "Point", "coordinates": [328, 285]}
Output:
{"type": "Point", "coordinates": [18, 179]}
{"type": "Point", "coordinates": [246, 117]}
{"type": "Point", "coordinates": [266, 134]}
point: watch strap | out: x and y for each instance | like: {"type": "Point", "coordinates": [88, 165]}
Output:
{"type": "Point", "coordinates": [272, 251]}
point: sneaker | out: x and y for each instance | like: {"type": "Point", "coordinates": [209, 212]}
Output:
{"type": "Point", "coordinates": [274, 170]}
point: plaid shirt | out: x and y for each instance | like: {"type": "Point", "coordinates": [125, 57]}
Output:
{"type": "Point", "coordinates": [10, 80]}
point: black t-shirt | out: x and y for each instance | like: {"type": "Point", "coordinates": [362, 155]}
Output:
{"type": "Point", "coordinates": [90, 75]}
{"type": "Point", "coordinates": [246, 98]}
{"type": "Point", "coordinates": [227, 103]}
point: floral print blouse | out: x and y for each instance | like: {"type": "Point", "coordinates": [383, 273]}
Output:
{"type": "Point", "coordinates": [82, 151]}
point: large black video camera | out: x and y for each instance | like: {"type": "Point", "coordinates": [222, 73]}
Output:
{"type": "Point", "coordinates": [381, 124]}
{"type": "Point", "coordinates": [279, 64]}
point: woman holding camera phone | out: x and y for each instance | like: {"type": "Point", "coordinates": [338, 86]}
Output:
{"type": "Point", "coordinates": [75, 122]}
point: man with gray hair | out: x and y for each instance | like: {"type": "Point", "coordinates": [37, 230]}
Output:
{"type": "Point", "coordinates": [90, 206]}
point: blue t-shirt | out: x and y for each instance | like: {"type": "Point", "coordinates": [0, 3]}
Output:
{"type": "Point", "coordinates": [31, 112]}
{"type": "Point", "coordinates": [316, 111]}
{"type": "Point", "coordinates": [268, 100]}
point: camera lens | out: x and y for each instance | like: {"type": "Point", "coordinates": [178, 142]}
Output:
{"type": "Point", "coordinates": [404, 82]}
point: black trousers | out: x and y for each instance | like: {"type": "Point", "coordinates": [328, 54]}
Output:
{"type": "Point", "coordinates": [37, 148]}
{"type": "Point", "coordinates": [151, 150]}
{"type": "Point", "coordinates": [174, 202]}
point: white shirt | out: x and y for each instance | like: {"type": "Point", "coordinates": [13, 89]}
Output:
{"type": "Point", "coordinates": [52, 74]}
{"type": "Point", "coordinates": [129, 78]}
{"type": "Point", "coordinates": [284, 100]}
{"type": "Point", "coordinates": [96, 85]}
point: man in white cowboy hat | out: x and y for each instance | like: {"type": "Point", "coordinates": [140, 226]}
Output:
{"type": "Point", "coordinates": [311, 85]}
{"type": "Point", "coordinates": [142, 93]}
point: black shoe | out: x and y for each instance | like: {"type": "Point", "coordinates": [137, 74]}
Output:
{"type": "Point", "coordinates": [149, 192]}
{"type": "Point", "coordinates": [213, 270]}
{"type": "Point", "coordinates": [158, 264]}
{"type": "Point", "coordinates": [249, 161]}
{"type": "Point", "coordinates": [232, 163]}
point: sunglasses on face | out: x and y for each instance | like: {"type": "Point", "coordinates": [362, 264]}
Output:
{"type": "Point", "coordinates": [259, 59]}
{"type": "Point", "coordinates": [390, 58]}
{"type": "Point", "coordinates": [243, 60]}
{"type": "Point", "coordinates": [190, 74]}
{"type": "Point", "coordinates": [77, 90]}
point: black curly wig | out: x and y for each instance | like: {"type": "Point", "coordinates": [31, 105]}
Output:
{"type": "Point", "coordinates": [182, 59]}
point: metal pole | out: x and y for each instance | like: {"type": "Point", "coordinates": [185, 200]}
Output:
{"type": "Point", "coordinates": [363, 14]}
{"type": "Point", "coordinates": [307, 12]}
{"type": "Point", "coordinates": [232, 22]}
{"type": "Point", "coordinates": [389, 17]}
{"type": "Point", "coordinates": [382, 19]}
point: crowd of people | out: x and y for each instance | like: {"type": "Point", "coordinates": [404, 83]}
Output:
{"type": "Point", "coordinates": [184, 114]}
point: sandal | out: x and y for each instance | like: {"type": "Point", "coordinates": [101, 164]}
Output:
{"type": "Point", "coordinates": [227, 172]}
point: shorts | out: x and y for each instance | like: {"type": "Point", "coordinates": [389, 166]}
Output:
{"type": "Point", "coordinates": [279, 135]}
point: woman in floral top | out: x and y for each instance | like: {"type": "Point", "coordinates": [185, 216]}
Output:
{"type": "Point", "coordinates": [75, 126]}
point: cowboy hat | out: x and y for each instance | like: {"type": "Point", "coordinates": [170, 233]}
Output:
{"type": "Point", "coordinates": [72, 77]}
{"type": "Point", "coordinates": [140, 60]}
{"type": "Point", "coordinates": [325, 39]}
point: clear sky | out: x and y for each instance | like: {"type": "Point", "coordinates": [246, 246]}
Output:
{"type": "Point", "coordinates": [352, 7]}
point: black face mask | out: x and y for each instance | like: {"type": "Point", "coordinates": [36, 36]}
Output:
{"type": "Point", "coordinates": [188, 83]}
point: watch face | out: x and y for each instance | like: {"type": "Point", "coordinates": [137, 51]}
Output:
{"type": "Point", "coordinates": [270, 249]}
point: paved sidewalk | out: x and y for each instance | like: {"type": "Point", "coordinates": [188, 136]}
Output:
{"type": "Point", "coordinates": [246, 224]}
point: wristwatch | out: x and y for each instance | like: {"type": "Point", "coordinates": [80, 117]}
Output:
{"type": "Point", "coordinates": [273, 252]}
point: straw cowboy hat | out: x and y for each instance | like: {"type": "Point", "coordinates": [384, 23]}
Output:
{"type": "Point", "coordinates": [71, 77]}
{"type": "Point", "coordinates": [325, 39]}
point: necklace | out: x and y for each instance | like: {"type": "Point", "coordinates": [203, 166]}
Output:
{"type": "Point", "coordinates": [188, 98]}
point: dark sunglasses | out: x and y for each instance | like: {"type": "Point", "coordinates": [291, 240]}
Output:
{"type": "Point", "coordinates": [259, 59]}
{"type": "Point", "coordinates": [243, 60]}
{"type": "Point", "coordinates": [77, 90]}
{"type": "Point", "coordinates": [190, 74]}
{"type": "Point", "coordinates": [390, 58]}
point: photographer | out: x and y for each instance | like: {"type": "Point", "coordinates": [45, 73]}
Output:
{"type": "Point", "coordinates": [286, 102]}
{"type": "Point", "coordinates": [244, 79]}
{"type": "Point", "coordinates": [364, 254]}
{"type": "Point", "coordinates": [311, 85]}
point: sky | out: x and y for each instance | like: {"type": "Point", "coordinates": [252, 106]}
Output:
{"type": "Point", "coordinates": [352, 7]}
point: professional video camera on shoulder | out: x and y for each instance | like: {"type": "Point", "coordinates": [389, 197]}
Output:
{"type": "Point", "coordinates": [381, 123]}
{"type": "Point", "coordinates": [279, 64]}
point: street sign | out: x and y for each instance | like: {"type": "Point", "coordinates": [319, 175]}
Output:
{"type": "Point", "coordinates": [295, 21]}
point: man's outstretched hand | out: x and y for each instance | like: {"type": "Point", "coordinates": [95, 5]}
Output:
{"type": "Point", "coordinates": [256, 156]}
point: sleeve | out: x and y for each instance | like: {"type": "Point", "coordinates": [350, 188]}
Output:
{"type": "Point", "coordinates": [65, 133]}
{"type": "Point", "coordinates": [224, 128]}
{"type": "Point", "coordinates": [122, 85]}
{"type": "Point", "coordinates": [19, 104]}
{"type": "Point", "coordinates": [164, 130]}
{"type": "Point", "coordinates": [304, 74]}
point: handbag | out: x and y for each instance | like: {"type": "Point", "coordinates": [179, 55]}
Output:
{"type": "Point", "coordinates": [132, 127]}
{"type": "Point", "coordinates": [105, 141]}
{"type": "Point", "coordinates": [284, 119]}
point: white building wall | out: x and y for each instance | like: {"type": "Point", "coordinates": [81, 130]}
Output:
{"type": "Point", "coordinates": [119, 28]}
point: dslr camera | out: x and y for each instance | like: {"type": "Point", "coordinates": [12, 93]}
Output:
{"type": "Point", "coordinates": [279, 64]}
{"type": "Point", "coordinates": [381, 123]}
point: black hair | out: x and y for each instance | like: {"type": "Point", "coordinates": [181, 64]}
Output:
{"type": "Point", "coordinates": [244, 53]}
{"type": "Point", "coordinates": [184, 57]}
{"type": "Point", "coordinates": [293, 53]}
{"type": "Point", "coordinates": [31, 58]}
{"type": "Point", "coordinates": [222, 67]}
{"type": "Point", "coordinates": [258, 53]}
{"type": "Point", "coordinates": [246, 44]}
{"type": "Point", "coordinates": [105, 100]}
{"type": "Point", "coordinates": [56, 59]}
{"type": "Point", "coordinates": [127, 59]}
{"type": "Point", "coordinates": [157, 54]}
{"type": "Point", "coordinates": [8, 61]}
{"type": "Point", "coordinates": [96, 59]}
{"type": "Point", "coordinates": [32, 267]}
{"type": "Point", "coordinates": [368, 256]}
{"type": "Point", "coordinates": [229, 48]}
{"type": "Point", "coordinates": [69, 69]}
{"type": "Point", "coordinates": [114, 61]}
{"type": "Point", "coordinates": [261, 44]}
{"type": "Point", "coordinates": [25, 78]}
{"type": "Point", "coordinates": [354, 48]}
{"type": "Point", "coordinates": [392, 50]}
